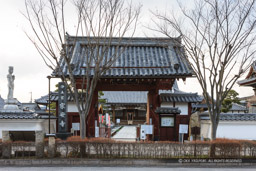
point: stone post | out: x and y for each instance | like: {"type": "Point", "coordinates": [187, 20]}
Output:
{"type": "Point", "coordinates": [6, 148]}
{"type": "Point", "coordinates": [39, 144]}
{"type": "Point", "coordinates": [51, 149]}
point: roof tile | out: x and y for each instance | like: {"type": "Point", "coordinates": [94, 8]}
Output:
{"type": "Point", "coordinates": [139, 57]}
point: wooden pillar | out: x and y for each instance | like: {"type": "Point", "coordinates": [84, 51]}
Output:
{"type": "Point", "coordinates": [114, 114]}
{"type": "Point", "coordinates": [148, 108]}
{"type": "Point", "coordinates": [152, 104]}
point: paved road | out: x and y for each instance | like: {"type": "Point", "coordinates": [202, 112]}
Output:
{"type": "Point", "coordinates": [127, 133]}
{"type": "Point", "coordinates": [117, 169]}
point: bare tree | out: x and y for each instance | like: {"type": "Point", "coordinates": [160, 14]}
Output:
{"type": "Point", "coordinates": [99, 22]}
{"type": "Point", "coordinates": [219, 37]}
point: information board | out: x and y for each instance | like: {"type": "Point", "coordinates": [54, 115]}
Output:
{"type": "Point", "coordinates": [167, 121]}
{"type": "Point", "coordinates": [148, 129]}
{"type": "Point", "coordinates": [97, 131]}
{"type": "Point", "coordinates": [183, 128]}
{"type": "Point", "coordinates": [76, 126]}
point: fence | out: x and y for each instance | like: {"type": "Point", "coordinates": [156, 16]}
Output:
{"type": "Point", "coordinates": [106, 148]}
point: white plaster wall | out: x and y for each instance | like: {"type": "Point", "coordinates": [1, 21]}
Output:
{"type": "Point", "coordinates": [231, 130]}
{"type": "Point", "coordinates": [20, 125]}
{"type": "Point", "coordinates": [45, 124]}
{"type": "Point", "coordinates": [237, 130]}
{"type": "Point", "coordinates": [25, 125]}
{"type": "Point", "coordinates": [183, 108]}
{"type": "Point", "coordinates": [166, 104]}
{"type": "Point", "coordinates": [72, 107]}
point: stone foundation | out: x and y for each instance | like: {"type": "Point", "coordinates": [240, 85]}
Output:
{"type": "Point", "coordinates": [39, 144]}
{"type": "Point", "coordinates": [6, 148]}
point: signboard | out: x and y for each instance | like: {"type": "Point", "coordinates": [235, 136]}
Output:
{"type": "Point", "coordinates": [106, 117]}
{"type": "Point", "coordinates": [97, 131]}
{"type": "Point", "coordinates": [117, 121]}
{"type": "Point", "coordinates": [167, 121]}
{"type": "Point", "coordinates": [183, 128]}
{"type": "Point", "coordinates": [148, 129]}
{"type": "Point", "coordinates": [62, 108]}
{"type": "Point", "coordinates": [76, 126]}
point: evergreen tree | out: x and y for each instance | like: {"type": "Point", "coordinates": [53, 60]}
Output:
{"type": "Point", "coordinates": [232, 97]}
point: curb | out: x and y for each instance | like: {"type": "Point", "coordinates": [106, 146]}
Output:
{"type": "Point", "coordinates": [122, 162]}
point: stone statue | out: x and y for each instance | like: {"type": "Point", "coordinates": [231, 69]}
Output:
{"type": "Point", "coordinates": [10, 79]}
{"type": "Point", "coordinates": [11, 104]}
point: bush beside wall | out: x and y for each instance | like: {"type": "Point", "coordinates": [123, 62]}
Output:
{"type": "Point", "coordinates": [74, 147]}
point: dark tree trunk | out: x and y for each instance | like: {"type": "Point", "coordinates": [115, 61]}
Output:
{"type": "Point", "coordinates": [82, 126]}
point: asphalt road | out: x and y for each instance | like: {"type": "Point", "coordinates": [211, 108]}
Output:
{"type": "Point", "coordinates": [118, 169]}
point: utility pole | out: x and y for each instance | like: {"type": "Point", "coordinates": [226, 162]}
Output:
{"type": "Point", "coordinates": [49, 104]}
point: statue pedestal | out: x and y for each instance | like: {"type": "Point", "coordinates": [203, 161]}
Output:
{"type": "Point", "coordinates": [11, 104]}
{"type": "Point", "coordinates": [11, 101]}
{"type": "Point", "coordinates": [11, 107]}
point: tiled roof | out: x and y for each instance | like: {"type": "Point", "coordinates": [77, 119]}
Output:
{"type": "Point", "coordinates": [250, 78]}
{"type": "Point", "coordinates": [180, 97]}
{"type": "Point", "coordinates": [137, 58]}
{"type": "Point", "coordinates": [250, 81]}
{"type": "Point", "coordinates": [54, 97]}
{"type": "Point", "coordinates": [131, 97]}
{"type": "Point", "coordinates": [238, 107]}
{"type": "Point", "coordinates": [176, 95]}
{"type": "Point", "coordinates": [18, 115]}
{"type": "Point", "coordinates": [167, 110]}
{"type": "Point", "coordinates": [135, 97]}
{"type": "Point", "coordinates": [204, 105]}
{"type": "Point", "coordinates": [238, 117]}
{"type": "Point", "coordinates": [232, 116]}
{"type": "Point", "coordinates": [24, 115]}
{"type": "Point", "coordinates": [44, 99]}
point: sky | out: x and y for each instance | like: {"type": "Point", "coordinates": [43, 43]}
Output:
{"type": "Point", "coordinates": [29, 69]}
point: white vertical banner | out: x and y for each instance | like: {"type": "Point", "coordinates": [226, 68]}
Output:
{"type": "Point", "coordinates": [97, 131]}
{"type": "Point", "coordinates": [106, 117]}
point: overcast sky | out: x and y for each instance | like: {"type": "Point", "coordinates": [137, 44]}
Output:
{"type": "Point", "coordinates": [30, 71]}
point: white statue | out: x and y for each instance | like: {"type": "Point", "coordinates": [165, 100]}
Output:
{"type": "Point", "coordinates": [10, 79]}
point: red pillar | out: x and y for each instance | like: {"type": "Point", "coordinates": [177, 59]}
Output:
{"type": "Point", "coordinates": [152, 103]}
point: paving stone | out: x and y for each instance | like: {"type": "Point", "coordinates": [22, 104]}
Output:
{"type": "Point", "coordinates": [127, 133]}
